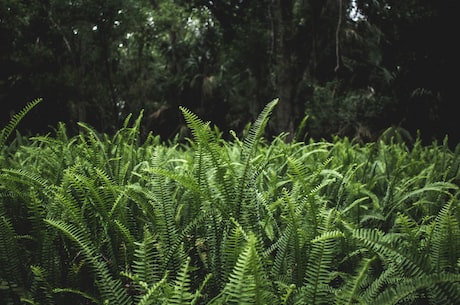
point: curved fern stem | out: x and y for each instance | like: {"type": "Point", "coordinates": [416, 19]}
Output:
{"type": "Point", "coordinates": [14, 121]}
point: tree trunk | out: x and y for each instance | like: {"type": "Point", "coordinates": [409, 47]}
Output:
{"type": "Point", "coordinates": [284, 114]}
{"type": "Point", "coordinates": [284, 66]}
{"type": "Point", "coordinates": [296, 52]}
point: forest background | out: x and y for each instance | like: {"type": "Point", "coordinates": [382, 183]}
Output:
{"type": "Point", "coordinates": [352, 68]}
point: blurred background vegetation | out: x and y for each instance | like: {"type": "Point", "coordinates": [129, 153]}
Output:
{"type": "Point", "coordinates": [355, 68]}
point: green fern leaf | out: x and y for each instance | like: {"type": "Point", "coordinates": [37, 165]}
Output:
{"type": "Point", "coordinates": [111, 289]}
{"type": "Point", "coordinates": [249, 148]}
{"type": "Point", "coordinates": [248, 284]}
{"type": "Point", "coordinates": [146, 265]}
{"type": "Point", "coordinates": [154, 294]}
{"type": "Point", "coordinates": [407, 264]}
{"type": "Point", "coordinates": [164, 208]}
{"type": "Point", "coordinates": [11, 268]}
{"type": "Point", "coordinates": [14, 121]}
{"type": "Point", "coordinates": [212, 165]}
{"type": "Point", "coordinates": [181, 290]}
{"type": "Point", "coordinates": [76, 292]}
{"type": "Point", "coordinates": [352, 292]}
{"type": "Point", "coordinates": [231, 248]}
{"type": "Point", "coordinates": [407, 288]}
{"type": "Point", "coordinates": [444, 239]}
{"type": "Point", "coordinates": [320, 262]}
{"type": "Point", "coordinates": [42, 292]}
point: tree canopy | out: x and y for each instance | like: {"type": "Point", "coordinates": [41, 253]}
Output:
{"type": "Point", "coordinates": [352, 68]}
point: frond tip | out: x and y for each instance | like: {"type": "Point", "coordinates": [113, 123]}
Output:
{"type": "Point", "coordinates": [14, 121]}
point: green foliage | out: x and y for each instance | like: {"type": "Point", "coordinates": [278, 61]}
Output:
{"type": "Point", "coordinates": [247, 283]}
{"type": "Point", "coordinates": [357, 64]}
{"type": "Point", "coordinates": [355, 113]}
{"type": "Point", "coordinates": [6, 131]}
{"type": "Point", "coordinates": [113, 220]}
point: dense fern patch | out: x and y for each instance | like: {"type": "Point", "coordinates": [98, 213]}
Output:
{"type": "Point", "coordinates": [98, 219]}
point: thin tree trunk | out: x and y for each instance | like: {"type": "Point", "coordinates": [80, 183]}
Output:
{"type": "Point", "coordinates": [284, 68]}
{"type": "Point", "coordinates": [296, 52]}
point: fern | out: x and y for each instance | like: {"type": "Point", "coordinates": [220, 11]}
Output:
{"type": "Point", "coordinates": [386, 246]}
{"type": "Point", "coordinates": [15, 179]}
{"type": "Point", "coordinates": [407, 289]}
{"type": "Point", "coordinates": [93, 148]}
{"type": "Point", "coordinates": [123, 150]}
{"type": "Point", "coordinates": [352, 291]}
{"type": "Point", "coordinates": [443, 241]}
{"type": "Point", "coordinates": [288, 246]}
{"type": "Point", "coordinates": [75, 292]}
{"type": "Point", "coordinates": [249, 148]}
{"type": "Point", "coordinates": [212, 221]}
{"type": "Point", "coordinates": [181, 290]}
{"type": "Point", "coordinates": [225, 185]}
{"type": "Point", "coordinates": [283, 258]}
{"type": "Point", "coordinates": [214, 232]}
{"type": "Point", "coordinates": [320, 263]}
{"type": "Point", "coordinates": [42, 292]}
{"type": "Point", "coordinates": [214, 171]}
{"type": "Point", "coordinates": [247, 284]}
{"type": "Point", "coordinates": [164, 209]}
{"type": "Point", "coordinates": [438, 187]}
{"type": "Point", "coordinates": [231, 248]}
{"type": "Point", "coordinates": [154, 294]}
{"type": "Point", "coordinates": [406, 271]}
{"type": "Point", "coordinates": [146, 266]}
{"type": "Point", "coordinates": [6, 131]}
{"type": "Point", "coordinates": [110, 288]}
{"type": "Point", "coordinates": [11, 268]}
{"type": "Point", "coordinates": [146, 276]}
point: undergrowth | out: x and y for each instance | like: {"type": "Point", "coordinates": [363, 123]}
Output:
{"type": "Point", "coordinates": [99, 219]}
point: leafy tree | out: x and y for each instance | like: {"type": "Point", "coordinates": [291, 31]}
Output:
{"type": "Point", "coordinates": [416, 55]}
{"type": "Point", "coordinates": [354, 67]}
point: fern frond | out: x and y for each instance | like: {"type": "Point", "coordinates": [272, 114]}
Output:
{"type": "Point", "coordinates": [351, 292]}
{"type": "Point", "coordinates": [11, 177]}
{"type": "Point", "coordinates": [407, 288]}
{"type": "Point", "coordinates": [281, 246]}
{"type": "Point", "coordinates": [286, 292]}
{"type": "Point", "coordinates": [128, 135]}
{"type": "Point", "coordinates": [438, 187]}
{"type": "Point", "coordinates": [290, 259]}
{"type": "Point", "coordinates": [36, 212]}
{"type": "Point", "coordinates": [6, 131]}
{"type": "Point", "coordinates": [378, 280]}
{"type": "Point", "coordinates": [212, 163]}
{"type": "Point", "coordinates": [256, 132]}
{"type": "Point", "coordinates": [181, 289]}
{"type": "Point", "coordinates": [214, 232]}
{"type": "Point", "coordinates": [187, 181]}
{"type": "Point", "coordinates": [42, 292]}
{"type": "Point", "coordinates": [444, 239]}
{"type": "Point", "coordinates": [231, 248]}
{"type": "Point", "coordinates": [124, 230]}
{"type": "Point", "coordinates": [147, 262]}
{"type": "Point", "coordinates": [93, 147]}
{"type": "Point", "coordinates": [68, 206]}
{"type": "Point", "coordinates": [386, 246]}
{"type": "Point", "coordinates": [200, 130]}
{"type": "Point", "coordinates": [11, 268]}
{"type": "Point", "coordinates": [72, 291]}
{"type": "Point", "coordinates": [320, 262]}
{"type": "Point", "coordinates": [247, 284]}
{"type": "Point", "coordinates": [154, 294]}
{"type": "Point", "coordinates": [249, 148]}
{"type": "Point", "coordinates": [164, 208]}
{"type": "Point", "coordinates": [111, 289]}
